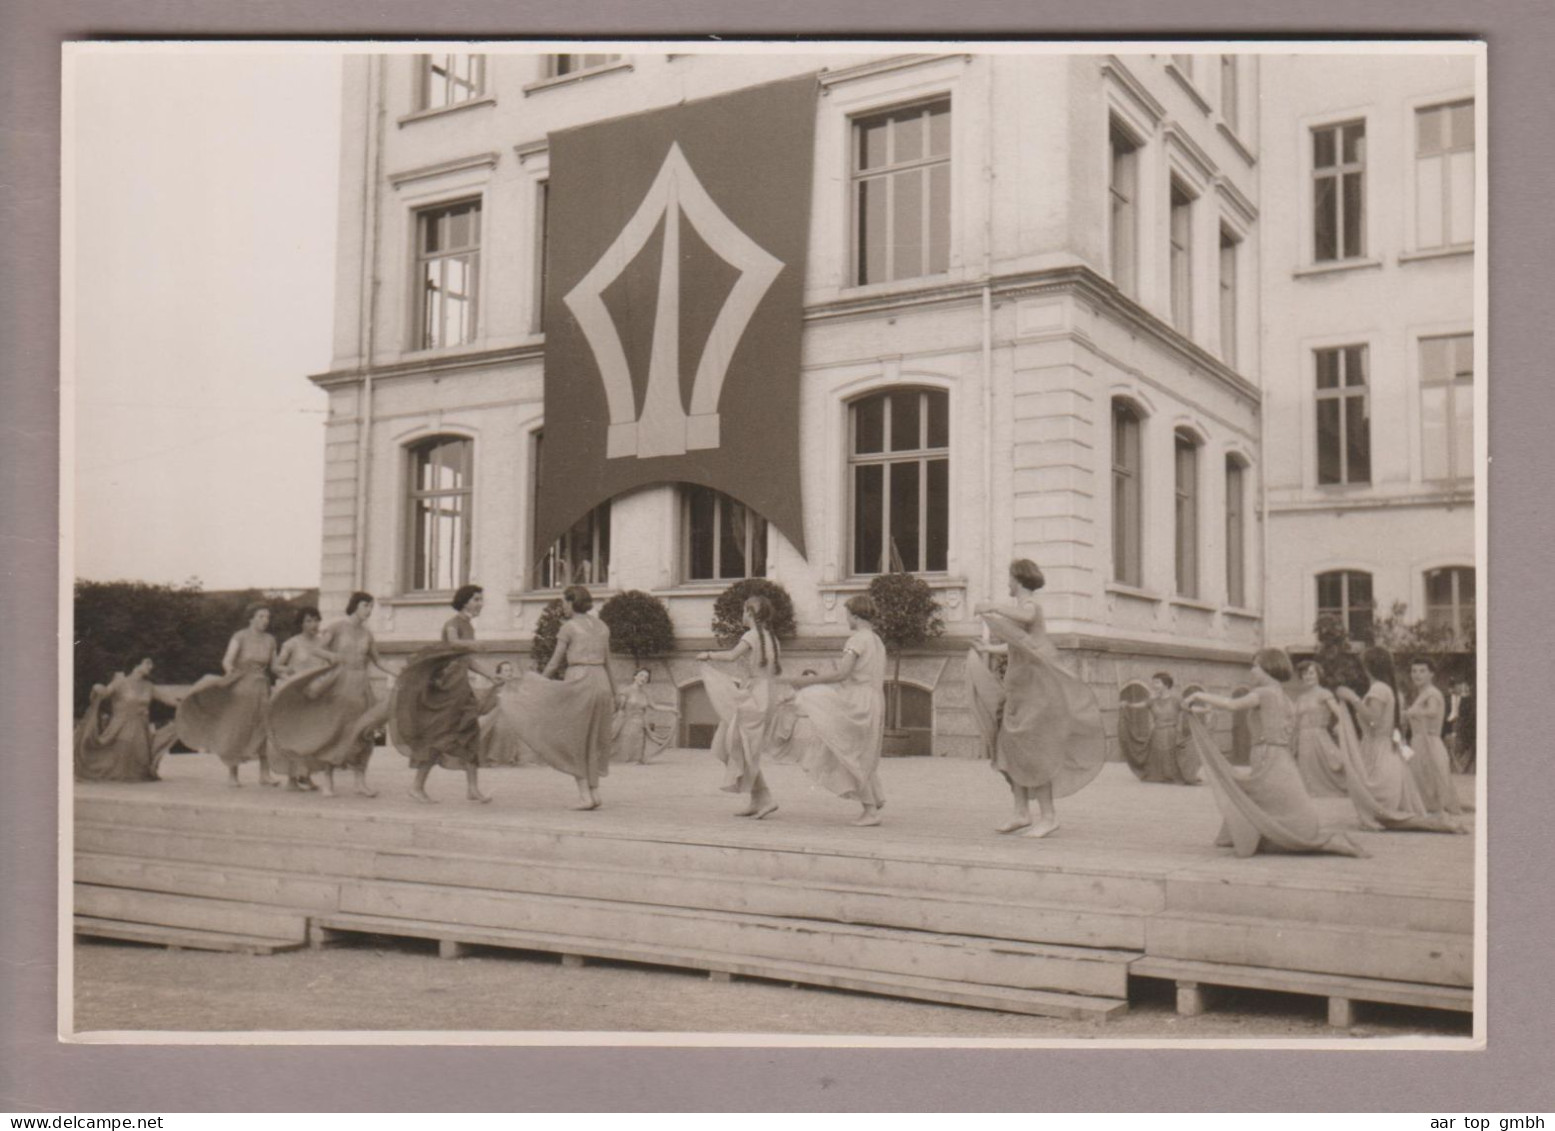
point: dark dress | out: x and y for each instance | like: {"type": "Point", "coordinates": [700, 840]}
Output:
{"type": "Point", "coordinates": [434, 715]}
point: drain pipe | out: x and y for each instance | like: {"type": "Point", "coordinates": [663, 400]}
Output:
{"type": "Point", "coordinates": [372, 169]}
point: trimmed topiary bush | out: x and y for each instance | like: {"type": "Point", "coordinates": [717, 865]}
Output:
{"type": "Point", "coordinates": [730, 605]}
{"type": "Point", "coordinates": [640, 625]}
{"type": "Point", "coordinates": [546, 629]}
{"type": "Point", "coordinates": [906, 615]}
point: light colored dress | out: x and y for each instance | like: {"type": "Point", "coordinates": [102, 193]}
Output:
{"type": "Point", "coordinates": [502, 736]}
{"type": "Point", "coordinates": [630, 732]}
{"type": "Point", "coordinates": [114, 741]}
{"type": "Point", "coordinates": [745, 708]}
{"type": "Point", "coordinates": [844, 723]}
{"type": "Point", "coordinates": [1380, 785]}
{"type": "Point", "coordinates": [567, 721]}
{"type": "Point", "coordinates": [226, 714]}
{"type": "Point", "coordinates": [1041, 726]}
{"type": "Point", "coordinates": [1171, 757]}
{"type": "Point", "coordinates": [321, 718]}
{"type": "Point", "coordinates": [1266, 808]}
{"type": "Point", "coordinates": [1318, 757]}
{"type": "Point", "coordinates": [1431, 766]}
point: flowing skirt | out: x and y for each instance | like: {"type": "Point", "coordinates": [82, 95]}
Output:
{"type": "Point", "coordinates": [1171, 758]}
{"type": "Point", "coordinates": [1136, 727]}
{"type": "Point", "coordinates": [121, 748]}
{"type": "Point", "coordinates": [1042, 726]}
{"type": "Point", "coordinates": [1432, 770]}
{"type": "Point", "coordinates": [629, 735]}
{"type": "Point", "coordinates": [1265, 809]}
{"type": "Point", "coordinates": [1381, 787]}
{"type": "Point", "coordinates": [1320, 762]}
{"type": "Point", "coordinates": [226, 715]}
{"type": "Point", "coordinates": [567, 722]}
{"type": "Point", "coordinates": [745, 710]}
{"type": "Point", "coordinates": [837, 738]}
{"type": "Point", "coordinates": [502, 740]}
{"type": "Point", "coordinates": [316, 720]}
{"type": "Point", "coordinates": [434, 717]}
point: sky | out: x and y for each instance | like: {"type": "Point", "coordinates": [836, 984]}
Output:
{"type": "Point", "coordinates": [204, 215]}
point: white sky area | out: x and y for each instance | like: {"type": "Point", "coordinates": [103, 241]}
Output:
{"type": "Point", "coordinates": [205, 214]}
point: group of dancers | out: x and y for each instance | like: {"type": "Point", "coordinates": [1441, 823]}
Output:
{"type": "Point", "coordinates": [1041, 725]}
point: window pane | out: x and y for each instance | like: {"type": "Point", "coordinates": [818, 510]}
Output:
{"type": "Point", "coordinates": [939, 130]}
{"type": "Point", "coordinates": [700, 507]}
{"type": "Point", "coordinates": [1428, 131]}
{"type": "Point", "coordinates": [1463, 126]}
{"type": "Point", "coordinates": [1438, 587]}
{"type": "Point", "coordinates": [939, 419]}
{"type": "Point", "coordinates": [1236, 585]}
{"type": "Point", "coordinates": [1354, 144]}
{"type": "Point", "coordinates": [1327, 369]}
{"type": "Point", "coordinates": [732, 544]}
{"type": "Point", "coordinates": [872, 135]}
{"type": "Point", "coordinates": [1436, 360]}
{"type": "Point", "coordinates": [905, 485]}
{"type": "Point", "coordinates": [1323, 151]}
{"type": "Point", "coordinates": [905, 421]}
{"type": "Point", "coordinates": [1460, 173]}
{"type": "Point", "coordinates": [1429, 172]}
{"type": "Point", "coordinates": [1354, 216]}
{"type": "Point", "coordinates": [1328, 457]}
{"type": "Point", "coordinates": [937, 537]}
{"type": "Point", "coordinates": [1355, 366]}
{"type": "Point", "coordinates": [907, 141]}
{"type": "Point", "coordinates": [868, 512]}
{"type": "Point", "coordinates": [1360, 589]}
{"type": "Point", "coordinates": [1330, 592]}
{"type": "Point", "coordinates": [939, 219]}
{"type": "Point", "coordinates": [1434, 461]}
{"type": "Point", "coordinates": [1357, 441]}
{"type": "Point", "coordinates": [907, 232]}
{"type": "Point", "coordinates": [1463, 433]}
{"type": "Point", "coordinates": [1325, 220]}
{"type": "Point", "coordinates": [872, 216]}
{"type": "Point", "coordinates": [759, 548]}
{"type": "Point", "coordinates": [869, 425]}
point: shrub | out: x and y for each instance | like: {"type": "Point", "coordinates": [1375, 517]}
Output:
{"type": "Point", "coordinates": [730, 607]}
{"type": "Point", "coordinates": [546, 629]}
{"type": "Point", "coordinates": [639, 624]}
{"type": "Point", "coordinates": [906, 615]}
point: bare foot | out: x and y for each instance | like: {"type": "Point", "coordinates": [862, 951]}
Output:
{"type": "Point", "coordinates": [269, 781]}
{"type": "Point", "coordinates": [476, 795]}
{"type": "Point", "coordinates": [748, 811]}
{"type": "Point", "coordinates": [1015, 825]}
{"type": "Point", "coordinates": [421, 796]}
{"type": "Point", "coordinates": [1041, 829]}
{"type": "Point", "coordinates": [867, 820]}
{"type": "Point", "coordinates": [586, 806]}
{"type": "Point", "coordinates": [291, 786]}
{"type": "Point", "coordinates": [765, 811]}
{"type": "Point", "coordinates": [233, 783]}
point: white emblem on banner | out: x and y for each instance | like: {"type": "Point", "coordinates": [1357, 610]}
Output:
{"type": "Point", "coordinates": [665, 428]}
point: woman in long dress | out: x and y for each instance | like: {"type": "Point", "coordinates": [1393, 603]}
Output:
{"type": "Point", "coordinates": [1267, 809]}
{"type": "Point", "coordinates": [630, 732]}
{"type": "Point", "coordinates": [302, 653]}
{"type": "Point", "coordinates": [1171, 758]}
{"type": "Point", "coordinates": [227, 714]}
{"type": "Point", "coordinates": [1378, 779]}
{"type": "Point", "coordinates": [845, 710]}
{"type": "Point", "coordinates": [324, 717]}
{"type": "Point", "coordinates": [1042, 727]}
{"type": "Point", "coordinates": [745, 705]}
{"type": "Point", "coordinates": [502, 732]}
{"type": "Point", "coordinates": [1318, 757]}
{"type": "Point", "coordinates": [115, 740]}
{"type": "Point", "coordinates": [567, 721]}
{"type": "Point", "coordinates": [1431, 766]}
{"type": "Point", "coordinates": [434, 717]}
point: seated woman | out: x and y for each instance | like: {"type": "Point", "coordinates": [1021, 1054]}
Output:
{"type": "Point", "coordinates": [114, 740]}
{"type": "Point", "coordinates": [631, 732]}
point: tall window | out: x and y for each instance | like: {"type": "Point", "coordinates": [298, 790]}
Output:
{"type": "Point", "coordinates": [1187, 514]}
{"type": "Point", "coordinates": [1228, 284]}
{"type": "Point", "coordinates": [1449, 601]}
{"type": "Point", "coordinates": [581, 556]}
{"type": "Point", "coordinates": [899, 463]}
{"type": "Point", "coordinates": [448, 256]}
{"type": "Point", "coordinates": [1447, 408]}
{"type": "Point", "coordinates": [1182, 257]}
{"type": "Point", "coordinates": [442, 473]}
{"type": "Point", "coordinates": [1127, 516]}
{"type": "Point", "coordinates": [447, 80]}
{"type": "Point", "coordinates": [1444, 175]}
{"type": "Point", "coordinates": [1339, 192]}
{"type": "Point", "coordinates": [901, 193]}
{"type": "Point", "coordinates": [1236, 533]}
{"type": "Point", "coordinates": [1123, 228]}
{"type": "Point", "coordinates": [1346, 594]}
{"type": "Point", "coordinates": [1230, 96]}
{"type": "Point", "coordinates": [558, 65]}
{"type": "Point", "coordinates": [1343, 416]}
{"type": "Point", "coordinates": [721, 538]}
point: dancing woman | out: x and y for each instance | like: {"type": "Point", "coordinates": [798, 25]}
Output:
{"type": "Point", "coordinates": [1042, 727]}
{"type": "Point", "coordinates": [846, 709]}
{"type": "Point", "coordinates": [114, 740]}
{"type": "Point", "coordinates": [1431, 766]}
{"type": "Point", "coordinates": [744, 706]}
{"type": "Point", "coordinates": [1379, 782]}
{"type": "Point", "coordinates": [1267, 809]}
{"type": "Point", "coordinates": [567, 721]}
{"type": "Point", "coordinates": [1318, 757]}
{"type": "Point", "coordinates": [630, 731]}
{"type": "Point", "coordinates": [1171, 757]}
{"type": "Point", "coordinates": [323, 718]}
{"type": "Point", "coordinates": [226, 714]}
{"type": "Point", "coordinates": [502, 732]}
{"type": "Point", "coordinates": [301, 653]}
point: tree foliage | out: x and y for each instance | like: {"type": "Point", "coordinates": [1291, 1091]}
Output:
{"type": "Point", "coordinates": [906, 615]}
{"type": "Point", "coordinates": [640, 625]}
{"type": "Point", "coordinates": [1406, 639]}
{"type": "Point", "coordinates": [730, 606]}
{"type": "Point", "coordinates": [552, 617]}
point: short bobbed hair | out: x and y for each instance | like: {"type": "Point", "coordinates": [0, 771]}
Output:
{"type": "Point", "coordinates": [253, 610]}
{"type": "Point", "coordinates": [1026, 573]}
{"type": "Point", "coordinates": [464, 595]}
{"type": "Point", "coordinates": [358, 599]}
{"type": "Point", "coordinates": [579, 598]}
{"type": "Point", "coordinates": [1425, 662]}
{"type": "Point", "coordinates": [308, 611]}
{"type": "Point", "coordinates": [1275, 663]}
{"type": "Point", "coordinates": [1166, 678]}
{"type": "Point", "coordinates": [861, 605]}
{"type": "Point", "coordinates": [643, 671]}
{"type": "Point", "coordinates": [1378, 663]}
{"type": "Point", "coordinates": [1310, 665]}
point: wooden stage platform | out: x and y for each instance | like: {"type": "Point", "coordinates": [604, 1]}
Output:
{"type": "Point", "coordinates": [932, 905]}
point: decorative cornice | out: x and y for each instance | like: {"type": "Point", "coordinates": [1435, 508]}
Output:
{"type": "Point", "coordinates": [1175, 136]}
{"type": "Point", "coordinates": [444, 111]}
{"type": "Point", "coordinates": [527, 149]}
{"type": "Point", "coordinates": [1118, 71]}
{"type": "Point", "coordinates": [830, 78]}
{"type": "Point", "coordinates": [442, 168]}
{"type": "Point", "coordinates": [1185, 81]}
{"type": "Point", "coordinates": [1435, 499]}
{"type": "Point", "coordinates": [432, 365]}
{"type": "Point", "coordinates": [577, 76]}
{"type": "Point", "coordinates": [1236, 143]}
{"type": "Point", "coordinates": [1238, 201]}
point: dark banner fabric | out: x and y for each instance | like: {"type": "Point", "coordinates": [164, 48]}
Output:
{"type": "Point", "coordinates": [674, 279]}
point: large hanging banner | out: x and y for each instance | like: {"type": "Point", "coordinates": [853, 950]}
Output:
{"type": "Point", "coordinates": [675, 266]}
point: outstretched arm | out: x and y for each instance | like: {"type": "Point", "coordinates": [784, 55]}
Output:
{"type": "Point", "coordinates": [734, 653]}
{"type": "Point", "coordinates": [1022, 615]}
{"type": "Point", "coordinates": [1225, 703]}
{"type": "Point", "coordinates": [560, 654]}
{"type": "Point", "coordinates": [843, 671]}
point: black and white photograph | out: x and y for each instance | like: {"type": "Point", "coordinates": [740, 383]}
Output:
{"type": "Point", "coordinates": [832, 543]}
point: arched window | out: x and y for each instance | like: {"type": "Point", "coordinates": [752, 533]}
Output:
{"type": "Point", "coordinates": [1449, 601]}
{"type": "Point", "coordinates": [1346, 594]}
{"type": "Point", "coordinates": [899, 469]}
{"type": "Point", "coordinates": [721, 538]}
{"type": "Point", "coordinates": [1186, 475]}
{"type": "Point", "coordinates": [442, 476]}
{"type": "Point", "coordinates": [1236, 532]}
{"type": "Point", "coordinates": [909, 720]}
{"type": "Point", "coordinates": [1127, 485]}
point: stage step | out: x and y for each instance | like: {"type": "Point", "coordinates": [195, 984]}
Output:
{"type": "Point", "coordinates": [959, 958]}
{"type": "Point", "coordinates": [1332, 986]}
{"type": "Point", "coordinates": [1322, 948]}
{"type": "Point", "coordinates": [1352, 904]}
{"type": "Point", "coordinates": [210, 881]}
{"type": "Point", "coordinates": [181, 937]}
{"type": "Point", "coordinates": [129, 905]}
{"type": "Point", "coordinates": [1002, 998]}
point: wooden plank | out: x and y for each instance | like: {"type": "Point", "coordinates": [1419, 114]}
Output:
{"type": "Point", "coordinates": [1419, 911]}
{"type": "Point", "coordinates": [919, 988]}
{"type": "Point", "coordinates": [1305, 982]}
{"type": "Point", "coordinates": [300, 858]}
{"type": "Point", "coordinates": [185, 937]}
{"type": "Point", "coordinates": [954, 958]}
{"type": "Point", "coordinates": [128, 905]}
{"type": "Point", "coordinates": [1362, 952]}
{"type": "Point", "coordinates": [212, 881]}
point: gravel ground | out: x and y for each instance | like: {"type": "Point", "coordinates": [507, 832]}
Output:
{"type": "Point", "coordinates": [391, 984]}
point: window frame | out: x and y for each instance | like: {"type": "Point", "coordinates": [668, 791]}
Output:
{"type": "Point", "coordinates": [683, 502]}
{"type": "Point", "coordinates": [1187, 496]}
{"type": "Point", "coordinates": [1337, 171]}
{"type": "Point", "coordinates": [420, 215]}
{"type": "Point", "coordinates": [425, 69]}
{"type": "Point", "coordinates": [553, 68]}
{"type": "Point", "coordinates": [1236, 470]}
{"type": "Point", "coordinates": [857, 177]}
{"type": "Point", "coordinates": [1180, 206]}
{"type": "Point", "coordinates": [1128, 483]}
{"type": "Point", "coordinates": [1230, 92]}
{"type": "Point", "coordinates": [885, 458]}
{"type": "Point", "coordinates": [1123, 255]}
{"type": "Point", "coordinates": [1462, 468]}
{"type": "Point", "coordinates": [1229, 294]}
{"type": "Point", "coordinates": [1456, 608]}
{"type": "Point", "coordinates": [1343, 393]}
{"type": "Point", "coordinates": [1348, 609]}
{"type": "Point", "coordinates": [1414, 110]}
{"type": "Point", "coordinates": [411, 546]}
{"type": "Point", "coordinates": [599, 533]}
